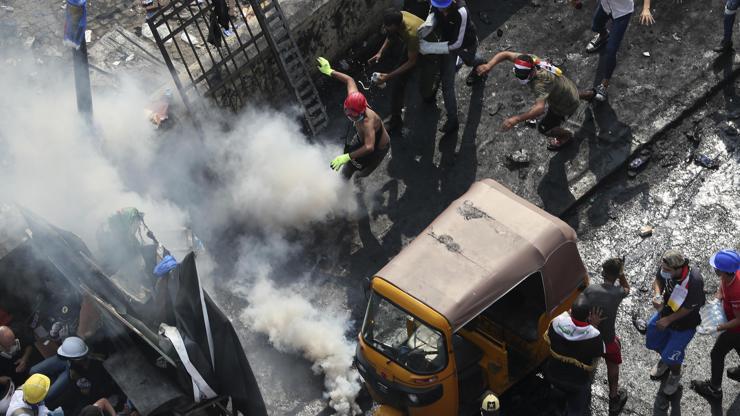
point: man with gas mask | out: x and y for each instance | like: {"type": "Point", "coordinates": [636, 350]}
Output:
{"type": "Point", "coordinates": [371, 142]}
{"type": "Point", "coordinates": [16, 348]}
{"type": "Point", "coordinates": [556, 96]}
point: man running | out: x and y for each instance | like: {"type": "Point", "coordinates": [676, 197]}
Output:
{"type": "Point", "coordinates": [371, 143]}
{"type": "Point", "coordinates": [556, 96]}
{"type": "Point", "coordinates": [619, 12]}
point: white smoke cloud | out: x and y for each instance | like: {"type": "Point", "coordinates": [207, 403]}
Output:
{"type": "Point", "coordinates": [267, 175]}
{"type": "Point", "coordinates": [296, 325]}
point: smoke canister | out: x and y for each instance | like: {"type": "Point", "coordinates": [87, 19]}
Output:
{"type": "Point", "coordinates": [375, 78]}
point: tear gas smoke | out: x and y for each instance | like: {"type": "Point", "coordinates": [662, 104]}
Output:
{"type": "Point", "coordinates": [294, 324]}
{"type": "Point", "coordinates": [52, 164]}
{"type": "Point", "coordinates": [268, 176]}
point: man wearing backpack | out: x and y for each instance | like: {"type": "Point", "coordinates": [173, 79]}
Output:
{"type": "Point", "coordinates": [556, 96]}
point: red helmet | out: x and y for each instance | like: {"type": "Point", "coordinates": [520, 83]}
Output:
{"type": "Point", "coordinates": [355, 103]}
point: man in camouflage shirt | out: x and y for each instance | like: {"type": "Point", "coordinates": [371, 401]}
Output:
{"type": "Point", "coordinates": [556, 96]}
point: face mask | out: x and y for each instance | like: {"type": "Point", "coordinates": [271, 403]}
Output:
{"type": "Point", "coordinates": [12, 351]}
{"type": "Point", "coordinates": [666, 275]}
{"type": "Point", "coordinates": [356, 119]}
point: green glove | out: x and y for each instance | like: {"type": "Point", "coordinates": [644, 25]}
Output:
{"type": "Point", "coordinates": [324, 66]}
{"type": "Point", "coordinates": [339, 161]}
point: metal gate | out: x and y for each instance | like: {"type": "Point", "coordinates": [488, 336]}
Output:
{"type": "Point", "coordinates": [255, 45]}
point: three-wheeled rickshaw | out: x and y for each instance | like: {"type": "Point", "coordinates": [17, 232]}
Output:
{"type": "Point", "coordinates": [462, 309]}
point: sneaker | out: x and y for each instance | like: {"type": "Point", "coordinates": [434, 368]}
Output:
{"type": "Point", "coordinates": [227, 33]}
{"type": "Point", "coordinates": [706, 389]}
{"type": "Point", "coordinates": [733, 373]}
{"type": "Point", "coordinates": [450, 126]}
{"type": "Point", "coordinates": [672, 383]}
{"type": "Point", "coordinates": [600, 93]}
{"type": "Point", "coordinates": [658, 370]}
{"type": "Point", "coordinates": [616, 404]}
{"type": "Point", "coordinates": [724, 46]}
{"type": "Point", "coordinates": [597, 42]}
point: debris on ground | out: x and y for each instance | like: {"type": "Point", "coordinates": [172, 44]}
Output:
{"type": "Point", "coordinates": [519, 157]}
{"type": "Point", "coordinates": [646, 231]}
{"type": "Point", "coordinates": [499, 33]}
{"type": "Point", "coordinates": [158, 113]}
{"type": "Point", "coordinates": [646, 54]}
{"type": "Point", "coordinates": [706, 161]}
{"type": "Point", "coordinates": [638, 163]}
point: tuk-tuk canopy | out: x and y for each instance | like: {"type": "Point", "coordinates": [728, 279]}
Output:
{"type": "Point", "coordinates": [480, 247]}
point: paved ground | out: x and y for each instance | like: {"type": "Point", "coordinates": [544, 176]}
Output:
{"type": "Point", "coordinates": [692, 208]}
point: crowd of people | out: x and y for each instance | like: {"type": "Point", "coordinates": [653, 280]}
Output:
{"type": "Point", "coordinates": [37, 379]}
{"type": "Point", "coordinates": [437, 47]}
{"type": "Point", "coordinates": [586, 333]}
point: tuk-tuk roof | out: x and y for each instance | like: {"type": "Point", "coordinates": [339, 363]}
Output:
{"type": "Point", "coordinates": [480, 247]}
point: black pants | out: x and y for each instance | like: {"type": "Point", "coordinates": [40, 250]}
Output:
{"type": "Point", "coordinates": [726, 342]}
{"type": "Point", "coordinates": [366, 164]}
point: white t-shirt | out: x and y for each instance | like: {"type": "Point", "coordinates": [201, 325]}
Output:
{"type": "Point", "coordinates": [16, 402]}
{"type": "Point", "coordinates": [618, 8]}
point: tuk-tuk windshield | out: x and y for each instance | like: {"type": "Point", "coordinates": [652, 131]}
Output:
{"type": "Point", "coordinates": [403, 338]}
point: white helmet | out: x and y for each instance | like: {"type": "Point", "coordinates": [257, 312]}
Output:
{"type": "Point", "coordinates": [73, 348]}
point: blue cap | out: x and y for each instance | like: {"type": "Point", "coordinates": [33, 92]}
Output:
{"type": "Point", "coordinates": [727, 261]}
{"type": "Point", "coordinates": [441, 4]}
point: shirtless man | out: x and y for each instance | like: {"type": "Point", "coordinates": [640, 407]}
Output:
{"type": "Point", "coordinates": [371, 143]}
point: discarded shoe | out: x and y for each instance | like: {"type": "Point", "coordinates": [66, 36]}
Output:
{"type": "Point", "coordinates": [706, 161]}
{"type": "Point", "coordinates": [705, 389]}
{"type": "Point", "coordinates": [449, 126]}
{"type": "Point", "coordinates": [640, 324]}
{"type": "Point", "coordinates": [597, 42]}
{"type": "Point", "coordinates": [724, 46]}
{"type": "Point", "coordinates": [616, 404]}
{"type": "Point", "coordinates": [556, 143]}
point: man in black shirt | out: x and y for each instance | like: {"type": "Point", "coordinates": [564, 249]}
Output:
{"type": "Point", "coordinates": [679, 293]}
{"type": "Point", "coordinates": [607, 296]}
{"type": "Point", "coordinates": [574, 345]}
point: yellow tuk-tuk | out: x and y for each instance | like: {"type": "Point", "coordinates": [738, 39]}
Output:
{"type": "Point", "coordinates": [462, 309]}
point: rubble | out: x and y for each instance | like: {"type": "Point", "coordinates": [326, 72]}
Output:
{"type": "Point", "coordinates": [646, 231]}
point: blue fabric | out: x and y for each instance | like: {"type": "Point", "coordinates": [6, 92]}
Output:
{"type": "Point", "coordinates": [75, 23]}
{"type": "Point", "coordinates": [619, 28]}
{"type": "Point", "coordinates": [671, 344]}
{"type": "Point", "coordinates": [441, 4]}
{"type": "Point", "coordinates": [58, 371]}
{"type": "Point", "coordinates": [168, 263]}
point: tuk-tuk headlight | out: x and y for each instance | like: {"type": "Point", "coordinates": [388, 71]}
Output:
{"type": "Point", "coordinates": [414, 399]}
